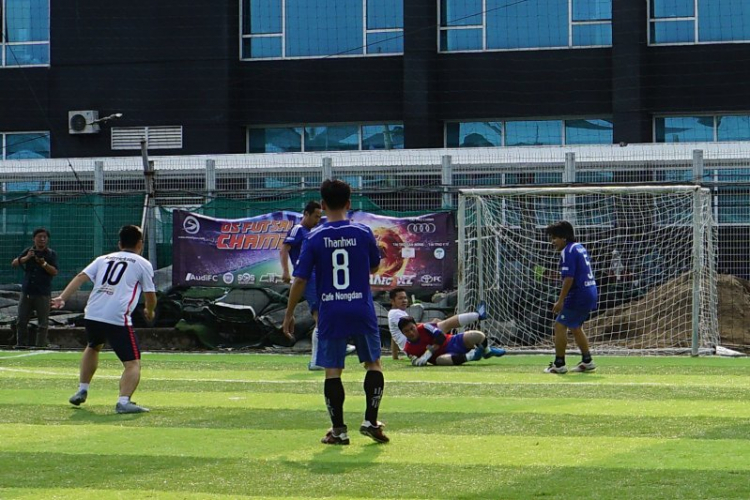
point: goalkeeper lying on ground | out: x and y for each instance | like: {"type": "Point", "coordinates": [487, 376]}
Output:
{"type": "Point", "coordinates": [427, 343]}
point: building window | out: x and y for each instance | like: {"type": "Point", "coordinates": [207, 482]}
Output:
{"type": "Point", "coordinates": [476, 25]}
{"type": "Point", "coordinates": [339, 137]}
{"type": "Point", "coordinates": [699, 21]}
{"type": "Point", "coordinates": [708, 128]}
{"type": "Point", "coordinates": [25, 145]}
{"type": "Point", "coordinates": [528, 133]}
{"type": "Point", "coordinates": [24, 32]}
{"type": "Point", "coordinates": [277, 29]}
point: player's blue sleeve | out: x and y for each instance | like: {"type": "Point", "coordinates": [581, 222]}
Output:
{"type": "Point", "coordinates": [306, 262]}
{"type": "Point", "coordinates": [570, 264]}
{"type": "Point", "coordinates": [294, 235]}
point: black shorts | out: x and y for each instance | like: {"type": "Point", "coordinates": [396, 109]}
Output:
{"type": "Point", "coordinates": [121, 338]}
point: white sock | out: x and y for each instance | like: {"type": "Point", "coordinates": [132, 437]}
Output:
{"type": "Point", "coordinates": [123, 400]}
{"type": "Point", "coordinates": [314, 346]}
{"type": "Point", "coordinates": [467, 318]}
{"type": "Point", "coordinates": [83, 387]}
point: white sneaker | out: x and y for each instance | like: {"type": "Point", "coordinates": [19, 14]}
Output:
{"type": "Point", "coordinates": [552, 368]}
{"type": "Point", "coordinates": [584, 367]}
{"type": "Point", "coordinates": [350, 349]}
{"type": "Point", "coordinates": [130, 407]}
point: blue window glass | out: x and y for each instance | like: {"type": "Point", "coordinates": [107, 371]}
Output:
{"type": "Point", "coordinates": [261, 16]}
{"type": "Point", "coordinates": [332, 138]}
{"type": "Point", "coordinates": [390, 136]}
{"type": "Point", "coordinates": [734, 128]}
{"type": "Point", "coordinates": [385, 14]}
{"type": "Point", "coordinates": [26, 20]}
{"type": "Point", "coordinates": [323, 27]}
{"type": "Point", "coordinates": [275, 140]}
{"type": "Point", "coordinates": [586, 35]}
{"type": "Point", "coordinates": [533, 133]}
{"type": "Point", "coordinates": [679, 175]}
{"type": "Point", "coordinates": [723, 20]}
{"type": "Point", "coordinates": [592, 10]}
{"type": "Point", "coordinates": [685, 129]}
{"type": "Point", "coordinates": [587, 177]}
{"type": "Point", "coordinates": [26, 55]}
{"type": "Point", "coordinates": [734, 175]}
{"type": "Point", "coordinates": [588, 132]}
{"type": "Point", "coordinates": [459, 39]}
{"type": "Point", "coordinates": [661, 9]}
{"type": "Point", "coordinates": [261, 46]}
{"type": "Point", "coordinates": [388, 42]}
{"type": "Point", "coordinates": [733, 205]}
{"type": "Point", "coordinates": [460, 13]}
{"type": "Point", "coordinates": [673, 32]}
{"type": "Point", "coordinates": [474, 134]}
{"type": "Point", "coordinates": [531, 24]}
{"type": "Point", "coordinates": [27, 146]}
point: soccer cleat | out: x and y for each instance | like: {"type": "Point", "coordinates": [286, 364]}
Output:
{"type": "Point", "coordinates": [313, 367]}
{"type": "Point", "coordinates": [553, 368]}
{"type": "Point", "coordinates": [374, 432]}
{"type": "Point", "coordinates": [494, 352]}
{"type": "Point", "coordinates": [130, 407]}
{"type": "Point", "coordinates": [336, 435]}
{"type": "Point", "coordinates": [475, 354]}
{"type": "Point", "coordinates": [482, 310]}
{"type": "Point", "coordinates": [350, 349]}
{"type": "Point", "coordinates": [79, 397]}
{"type": "Point", "coordinates": [584, 367]}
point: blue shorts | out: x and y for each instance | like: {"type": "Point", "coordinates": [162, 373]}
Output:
{"type": "Point", "coordinates": [311, 295]}
{"type": "Point", "coordinates": [573, 318]}
{"type": "Point", "coordinates": [121, 338]}
{"type": "Point", "coordinates": [332, 352]}
{"type": "Point", "coordinates": [456, 345]}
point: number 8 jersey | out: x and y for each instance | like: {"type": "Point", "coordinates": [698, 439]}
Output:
{"type": "Point", "coordinates": [342, 254]}
{"type": "Point", "coordinates": [118, 278]}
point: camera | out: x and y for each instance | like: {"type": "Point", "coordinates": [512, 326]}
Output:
{"type": "Point", "coordinates": [38, 254]}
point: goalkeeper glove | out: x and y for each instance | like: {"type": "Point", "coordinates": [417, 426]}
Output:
{"type": "Point", "coordinates": [422, 360]}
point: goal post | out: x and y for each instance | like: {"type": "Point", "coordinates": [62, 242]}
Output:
{"type": "Point", "coordinates": [653, 252]}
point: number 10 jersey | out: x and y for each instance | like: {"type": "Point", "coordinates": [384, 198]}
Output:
{"type": "Point", "coordinates": [118, 280]}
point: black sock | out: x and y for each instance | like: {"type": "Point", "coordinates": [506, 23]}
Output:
{"type": "Point", "coordinates": [485, 343]}
{"type": "Point", "coordinates": [559, 361]}
{"type": "Point", "coordinates": [458, 359]}
{"type": "Point", "coordinates": [586, 357]}
{"type": "Point", "coordinates": [374, 383]}
{"type": "Point", "coordinates": [333, 390]}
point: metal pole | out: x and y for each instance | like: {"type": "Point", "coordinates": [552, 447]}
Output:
{"type": "Point", "coordinates": [148, 221]}
{"type": "Point", "coordinates": [697, 266]}
{"type": "Point", "coordinates": [447, 180]}
{"type": "Point", "coordinates": [99, 207]}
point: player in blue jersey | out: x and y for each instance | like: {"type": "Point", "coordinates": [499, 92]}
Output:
{"type": "Point", "coordinates": [290, 249]}
{"type": "Point", "coordinates": [578, 297]}
{"type": "Point", "coordinates": [343, 254]}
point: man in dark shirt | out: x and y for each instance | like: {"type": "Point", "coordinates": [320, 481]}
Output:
{"type": "Point", "coordinates": [39, 264]}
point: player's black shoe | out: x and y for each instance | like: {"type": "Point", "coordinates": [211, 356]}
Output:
{"type": "Point", "coordinates": [336, 435]}
{"type": "Point", "coordinates": [79, 397]}
{"type": "Point", "coordinates": [374, 432]}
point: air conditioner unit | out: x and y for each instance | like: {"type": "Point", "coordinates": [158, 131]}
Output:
{"type": "Point", "coordinates": [83, 122]}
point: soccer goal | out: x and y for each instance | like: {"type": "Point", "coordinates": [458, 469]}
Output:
{"type": "Point", "coordinates": [653, 251]}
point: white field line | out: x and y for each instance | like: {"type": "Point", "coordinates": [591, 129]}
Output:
{"type": "Point", "coordinates": [317, 381]}
{"type": "Point", "coordinates": [26, 355]}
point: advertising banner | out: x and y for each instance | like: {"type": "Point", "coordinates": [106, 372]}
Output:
{"type": "Point", "coordinates": [417, 252]}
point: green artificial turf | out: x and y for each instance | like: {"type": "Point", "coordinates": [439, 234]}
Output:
{"type": "Point", "coordinates": [248, 426]}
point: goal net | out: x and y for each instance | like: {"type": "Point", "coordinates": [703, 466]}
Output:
{"type": "Point", "coordinates": [653, 252]}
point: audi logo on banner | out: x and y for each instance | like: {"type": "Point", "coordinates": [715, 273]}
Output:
{"type": "Point", "coordinates": [421, 228]}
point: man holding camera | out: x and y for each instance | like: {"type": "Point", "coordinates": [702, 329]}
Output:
{"type": "Point", "coordinates": [39, 264]}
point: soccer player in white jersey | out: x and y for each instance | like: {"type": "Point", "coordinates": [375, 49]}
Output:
{"type": "Point", "coordinates": [578, 297]}
{"type": "Point", "coordinates": [118, 278]}
{"type": "Point", "coordinates": [343, 254]}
